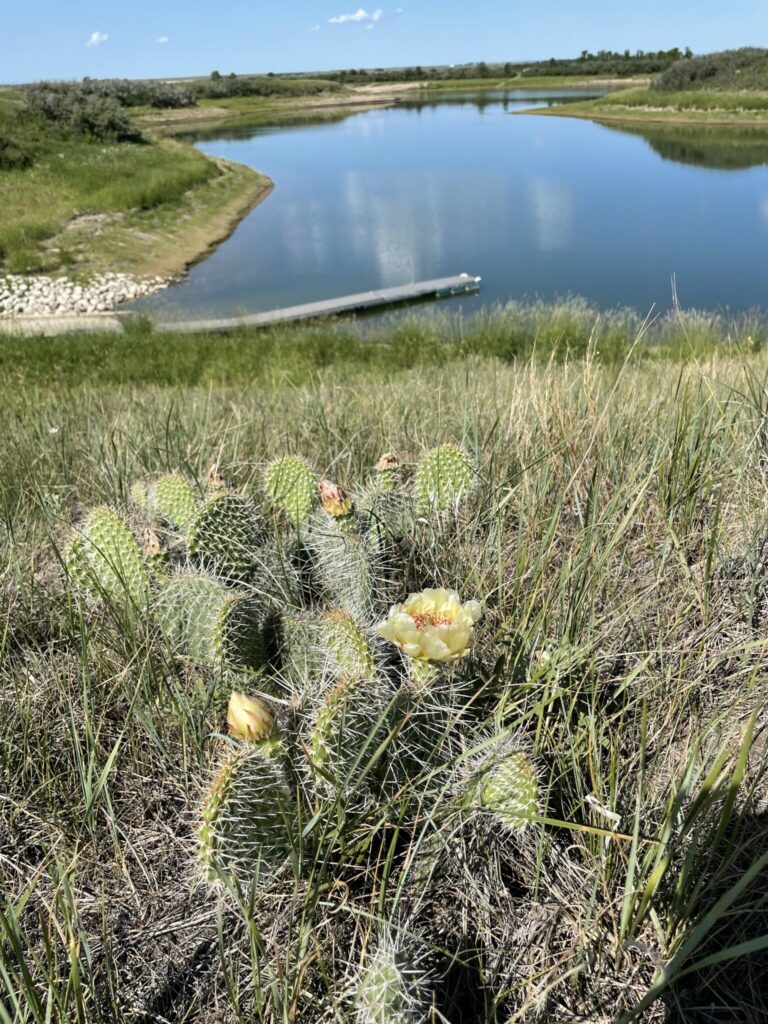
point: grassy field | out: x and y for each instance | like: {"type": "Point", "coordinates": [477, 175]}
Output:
{"type": "Point", "coordinates": [569, 329]}
{"type": "Point", "coordinates": [617, 537]}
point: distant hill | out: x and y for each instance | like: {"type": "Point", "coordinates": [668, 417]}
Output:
{"type": "Point", "coordinates": [746, 68]}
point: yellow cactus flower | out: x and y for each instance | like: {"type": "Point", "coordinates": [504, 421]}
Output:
{"type": "Point", "coordinates": [249, 718]}
{"type": "Point", "coordinates": [334, 500]}
{"type": "Point", "coordinates": [432, 626]}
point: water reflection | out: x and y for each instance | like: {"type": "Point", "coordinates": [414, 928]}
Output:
{"type": "Point", "coordinates": [722, 149]}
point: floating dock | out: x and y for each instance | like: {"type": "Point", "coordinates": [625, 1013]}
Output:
{"type": "Point", "coordinates": [441, 288]}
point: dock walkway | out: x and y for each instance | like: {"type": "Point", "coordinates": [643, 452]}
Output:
{"type": "Point", "coordinates": [440, 288]}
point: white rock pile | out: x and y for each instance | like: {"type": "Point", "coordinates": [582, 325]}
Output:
{"type": "Point", "coordinates": [59, 296]}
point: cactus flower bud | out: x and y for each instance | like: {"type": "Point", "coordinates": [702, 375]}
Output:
{"type": "Point", "coordinates": [335, 501]}
{"type": "Point", "coordinates": [388, 461]}
{"type": "Point", "coordinates": [433, 625]}
{"type": "Point", "coordinates": [249, 718]}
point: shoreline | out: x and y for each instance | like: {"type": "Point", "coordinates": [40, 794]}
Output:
{"type": "Point", "coordinates": [163, 257]}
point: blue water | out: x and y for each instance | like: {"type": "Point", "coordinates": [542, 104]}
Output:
{"type": "Point", "coordinates": [538, 206]}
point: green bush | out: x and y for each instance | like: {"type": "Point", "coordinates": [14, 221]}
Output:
{"type": "Point", "coordinates": [744, 68]}
{"type": "Point", "coordinates": [76, 113]}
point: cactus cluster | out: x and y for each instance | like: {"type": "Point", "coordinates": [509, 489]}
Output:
{"type": "Point", "coordinates": [349, 711]}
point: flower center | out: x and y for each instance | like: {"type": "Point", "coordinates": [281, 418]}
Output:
{"type": "Point", "coordinates": [423, 619]}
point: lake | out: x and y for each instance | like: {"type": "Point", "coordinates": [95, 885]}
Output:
{"type": "Point", "coordinates": [537, 206]}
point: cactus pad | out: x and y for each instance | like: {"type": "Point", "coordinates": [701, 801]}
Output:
{"type": "Point", "coordinates": [347, 645]}
{"type": "Point", "coordinates": [207, 623]}
{"type": "Point", "coordinates": [392, 988]}
{"type": "Point", "coordinates": [291, 485]}
{"type": "Point", "coordinates": [346, 563]}
{"type": "Point", "coordinates": [249, 818]}
{"type": "Point", "coordinates": [444, 477]}
{"type": "Point", "coordinates": [510, 790]}
{"type": "Point", "coordinates": [388, 472]}
{"type": "Point", "coordinates": [174, 500]}
{"type": "Point", "coordinates": [105, 559]}
{"type": "Point", "coordinates": [345, 731]}
{"type": "Point", "coordinates": [224, 536]}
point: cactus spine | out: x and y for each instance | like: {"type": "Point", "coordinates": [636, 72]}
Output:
{"type": "Point", "coordinates": [344, 557]}
{"type": "Point", "coordinates": [105, 560]}
{"type": "Point", "coordinates": [509, 789]}
{"type": "Point", "coordinates": [207, 623]}
{"type": "Point", "coordinates": [249, 818]}
{"type": "Point", "coordinates": [224, 536]}
{"type": "Point", "coordinates": [291, 485]}
{"type": "Point", "coordinates": [392, 987]}
{"type": "Point", "coordinates": [174, 500]}
{"type": "Point", "coordinates": [444, 477]}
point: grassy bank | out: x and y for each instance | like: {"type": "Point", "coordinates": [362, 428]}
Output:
{"type": "Point", "coordinates": [728, 88]}
{"type": "Point", "coordinates": [561, 331]}
{"type": "Point", "coordinates": [637, 106]}
{"type": "Point", "coordinates": [617, 537]}
{"type": "Point", "coordinates": [83, 205]}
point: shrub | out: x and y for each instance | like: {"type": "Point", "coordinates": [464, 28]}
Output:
{"type": "Point", "coordinates": [724, 69]}
{"type": "Point", "coordinates": [77, 113]}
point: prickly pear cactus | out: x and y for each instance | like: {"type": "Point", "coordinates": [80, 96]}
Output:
{"type": "Point", "coordinates": [174, 500]}
{"type": "Point", "coordinates": [391, 988]}
{"type": "Point", "coordinates": [509, 789]}
{"type": "Point", "coordinates": [347, 645]}
{"type": "Point", "coordinates": [224, 536]}
{"type": "Point", "coordinates": [207, 623]}
{"type": "Point", "coordinates": [105, 560]}
{"type": "Point", "coordinates": [345, 559]}
{"type": "Point", "coordinates": [249, 818]}
{"type": "Point", "coordinates": [388, 472]}
{"type": "Point", "coordinates": [140, 496]}
{"type": "Point", "coordinates": [345, 727]}
{"type": "Point", "coordinates": [291, 485]}
{"type": "Point", "coordinates": [444, 477]}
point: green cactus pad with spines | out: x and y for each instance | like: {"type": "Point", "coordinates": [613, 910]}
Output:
{"type": "Point", "coordinates": [388, 472]}
{"type": "Point", "coordinates": [345, 561]}
{"type": "Point", "coordinates": [345, 728]}
{"type": "Point", "coordinates": [510, 790]}
{"type": "Point", "coordinates": [140, 496]}
{"type": "Point", "coordinates": [209, 624]}
{"type": "Point", "coordinates": [347, 645]}
{"type": "Point", "coordinates": [249, 819]}
{"type": "Point", "coordinates": [105, 560]}
{"type": "Point", "coordinates": [224, 536]}
{"type": "Point", "coordinates": [174, 499]}
{"type": "Point", "coordinates": [292, 486]}
{"type": "Point", "coordinates": [444, 477]}
{"type": "Point", "coordinates": [391, 988]}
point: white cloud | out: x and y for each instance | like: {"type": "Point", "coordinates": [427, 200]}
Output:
{"type": "Point", "coordinates": [315, 28]}
{"type": "Point", "coordinates": [164, 39]}
{"type": "Point", "coordinates": [97, 38]}
{"type": "Point", "coordinates": [360, 15]}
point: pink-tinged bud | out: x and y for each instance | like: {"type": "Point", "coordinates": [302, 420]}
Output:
{"type": "Point", "coordinates": [388, 461]}
{"type": "Point", "coordinates": [249, 718]}
{"type": "Point", "coordinates": [335, 501]}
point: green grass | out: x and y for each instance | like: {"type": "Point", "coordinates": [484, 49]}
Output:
{"type": "Point", "coordinates": [618, 538]}
{"type": "Point", "coordinates": [568, 329]}
{"type": "Point", "coordinates": [71, 179]}
{"type": "Point", "coordinates": [695, 106]}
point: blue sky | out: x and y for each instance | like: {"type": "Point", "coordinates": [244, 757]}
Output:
{"type": "Point", "coordinates": [135, 38]}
